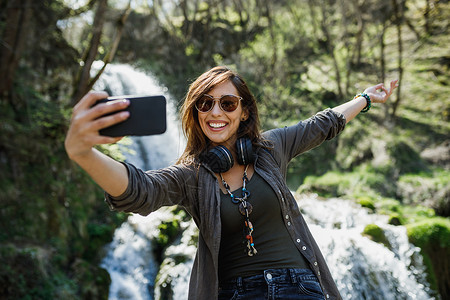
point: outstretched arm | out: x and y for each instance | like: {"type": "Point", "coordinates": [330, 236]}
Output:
{"type": "Point", "coordinates": [83, 135]}
{"type": "Point", "coordinates": [377, 93]}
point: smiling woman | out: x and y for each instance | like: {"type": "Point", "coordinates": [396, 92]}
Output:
{"type": "Point", "coordinates": [217, 82]}
{"type": "Point", "coordinates": [270, 252]}
{"type": "Point", "coordinates": [221, 126]}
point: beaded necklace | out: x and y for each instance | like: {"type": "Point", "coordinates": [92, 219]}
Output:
{"type": "Point", "coordinates": [245, 208]}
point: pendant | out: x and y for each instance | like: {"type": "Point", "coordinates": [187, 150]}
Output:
{"type": "Point", "coordinates": [245, 206]}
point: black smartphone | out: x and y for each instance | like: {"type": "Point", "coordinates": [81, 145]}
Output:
{"type": "Point", "coordinates": [147, 116]}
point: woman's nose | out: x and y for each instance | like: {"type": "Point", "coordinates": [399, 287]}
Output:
{"type": "Point", "coordinates": [216, 110]}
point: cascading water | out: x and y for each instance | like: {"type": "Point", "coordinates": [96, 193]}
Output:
{"type": "Point", "coordinates": [362, 269]}
{"type": "Point", "coordinates": [130, 259]}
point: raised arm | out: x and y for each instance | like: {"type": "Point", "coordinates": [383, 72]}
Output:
{"type": "Point", "coordinates": [83, 135]}
{"type": "Point", "coordinates": [377, 93]}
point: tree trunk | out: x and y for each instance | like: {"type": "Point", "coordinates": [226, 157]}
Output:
{"type": "Point", "coordinates": [330, 48]}
{"type": "Point", "coordinates": [426, 15]}
{"type": "Point", "coordinates": [17, 20]}
{"type": "Point", "coordinates": [313, 17]}
{"type": "Point", "coordinates": [83, 79]}
{"type": "Point", "coordinates": [274, 57]}
{"type": "Point", "coordinates": [382, 53]}
{"type": "Point", "coordinates": [345, 37]}
{"type": "Point", "coordinates": [383, 63]}
{"type": "Point", "coordinates": [359, 36]}
{"type": "Point", "coordinates": [398, 13]}
{"type": "Point", "coordinates": [112, 52]}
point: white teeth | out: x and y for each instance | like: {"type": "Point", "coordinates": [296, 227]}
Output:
{"type": "Point", "coordinates": [217, 125]}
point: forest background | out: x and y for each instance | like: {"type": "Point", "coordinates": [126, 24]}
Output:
{"type": "Point", "coordinates": [298, 56]}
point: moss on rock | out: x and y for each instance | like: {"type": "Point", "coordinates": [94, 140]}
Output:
{"type": "Point", "coordinates": [376, 234]}
{"type": "Point", "coordinates": [24, 274]}
{"type": "Point", "coordinates": [433, 237]}
{"type": "Point", "coordinates": [367, 202]}
{"type": "Point", "coordinates": [396, 219]}
{"type": "Point", "coordinates": [92, 281]}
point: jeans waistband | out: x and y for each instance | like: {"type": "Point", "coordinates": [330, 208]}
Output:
{"type": "Point", "coordinates": [268, 276]}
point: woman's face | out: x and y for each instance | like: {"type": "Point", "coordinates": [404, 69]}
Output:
{"type": "Point", "coordinates": [219, 126]}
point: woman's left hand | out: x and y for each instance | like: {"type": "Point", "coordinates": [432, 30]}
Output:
{"type": "Point", "coordinates": [381, 96]}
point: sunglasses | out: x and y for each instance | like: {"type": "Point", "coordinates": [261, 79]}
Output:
{"type": "Point", "coordinates": [227, 103]}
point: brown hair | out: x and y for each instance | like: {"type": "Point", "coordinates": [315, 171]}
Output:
{"type": "Point", "coordinates": [197, 142]}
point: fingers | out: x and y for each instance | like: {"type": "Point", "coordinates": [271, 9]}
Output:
{"type": "Point", "coordinates": [89, 99]}
{"type": "Point", "coordinates": [101, 115]}
{"type": "Point", "coordinates": [110, 120]}
{"type": "Point", "coordinates": [386, 94]}
{"type": "Point", "coordinates": [87, 119]}
{"type": "Point", "coordinates": [106, 108]}
{"type": "Point", "coordinates": [100, 139]}
{"type": "Point", "coordinates": [394, 84]}
{"type": "Point", "coordinates": [378, 86]}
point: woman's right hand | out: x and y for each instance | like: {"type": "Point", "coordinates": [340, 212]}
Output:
{"type": "Point", "coordinates": [87, 120]}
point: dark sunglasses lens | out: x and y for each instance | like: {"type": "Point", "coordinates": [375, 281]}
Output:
{"type": "Point", "coordinates": [204, 104]}
{"type": "Point", "coordinates": [229, 103]}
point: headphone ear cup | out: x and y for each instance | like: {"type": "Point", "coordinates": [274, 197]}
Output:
{"type": "Point", "coordinates": [244, 151]}
{"type": "Point", "coordinates": [219, 159]}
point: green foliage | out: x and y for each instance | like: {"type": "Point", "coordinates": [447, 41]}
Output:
{"type": "Point", "coordinates": [47, 201]}
{"type": "Point", "coordinates": [433, 237]}
{"type": "Point", "coordinates": [116, 150]}
{"type": "Point", "coordinates": [335, 184]}
{"type": "Point", "coordinates": [430, 233]}
{"type": "Point", "coordinates": [168, 230]}
{"type": "Point", "coordinates": [24, 273]}
{"type": "Point", "coordinates": [396, 219]}
{"type": "Point", "coordinates": [429, 188]}
{"type": "Point", "coordinates": [375, 233]}
{"type": "Point", "coordinates": [367, 202]}
{"type": "Point", "coordinates": [291, 53]}
{"type": "Point", "coordinates": [92, 281]}
{"type": "Point", "coordinates": [404, 157]}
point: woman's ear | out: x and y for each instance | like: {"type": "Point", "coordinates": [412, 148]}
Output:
{"type": "Point", "coordinates": [244, 116]}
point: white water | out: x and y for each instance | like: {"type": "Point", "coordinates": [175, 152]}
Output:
{"type": "Point", "coordinates": [364, 269]}
{"type": "Point", "coordinates": [159, 150]}
{"type": "Point", "coordinates": [130, 260]}
{"type": "Point", "coordinates": [361, 268]}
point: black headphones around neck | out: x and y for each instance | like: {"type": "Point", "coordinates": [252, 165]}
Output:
{"type": "Point", "coordinates": [220, 159]}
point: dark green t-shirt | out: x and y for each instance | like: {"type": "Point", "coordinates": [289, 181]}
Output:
{"type": "Point", "coordinates": [272, 241]}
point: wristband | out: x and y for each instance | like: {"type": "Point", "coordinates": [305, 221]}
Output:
{"type": "Point", "coordinates": [369, 103]}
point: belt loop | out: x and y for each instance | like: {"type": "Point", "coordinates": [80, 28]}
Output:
{"type": "Point", "coordinates": [293, 275]}
{"type": "Point", "coordinates": [240, 284]}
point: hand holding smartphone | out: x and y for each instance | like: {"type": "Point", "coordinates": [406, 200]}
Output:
{"type": "Point", "coordinates": [147, 116]}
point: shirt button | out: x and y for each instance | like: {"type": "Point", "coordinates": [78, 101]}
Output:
{"type": "Point", "coordinates": [328, 296]}
{"type": "Point", "coordinates": [315, 263]}
{"type": "Point", "coordinates": [298, 240]}
{"type": "Point", "coordinates": [304, 247]}
{"type": "Point", "coordinates": [289, 223]}
{"type": "Point", "coordinates": [287, 217]}
{"type": "Point", "coordinates": [318, 273]}
{"type": "Point", "coordinates": [269, 276]}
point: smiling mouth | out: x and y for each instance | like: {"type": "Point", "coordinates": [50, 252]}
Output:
{"type": "Point", "coordinates": [217, 125]}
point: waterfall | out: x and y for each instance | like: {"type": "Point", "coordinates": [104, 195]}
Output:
{"type": "Point", "coordinates": [362, 269]}
{"type": "Point", "coordinates": [130, 260]}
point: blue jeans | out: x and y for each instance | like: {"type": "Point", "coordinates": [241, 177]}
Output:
{"type": "Point", "coordinates": [274, 284]}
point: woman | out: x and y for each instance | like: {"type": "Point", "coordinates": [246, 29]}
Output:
{"type": "Point", "coordinates": [253, 241]}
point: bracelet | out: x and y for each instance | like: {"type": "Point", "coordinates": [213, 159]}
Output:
{"type": "Point", "coordinates": [369, 103]}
